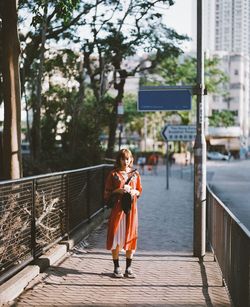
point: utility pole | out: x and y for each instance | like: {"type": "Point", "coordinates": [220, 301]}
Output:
{"type": "Point", "coordinates": [200, 148]}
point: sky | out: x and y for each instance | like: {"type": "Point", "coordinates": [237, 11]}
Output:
{"type": "Point", "coordinates": [181, 17]}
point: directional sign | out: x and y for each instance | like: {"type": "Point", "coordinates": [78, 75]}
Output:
{"type": "Point", "coordinates": [164, 99]}
{"type": "Point", "coordinates": [179, 133]}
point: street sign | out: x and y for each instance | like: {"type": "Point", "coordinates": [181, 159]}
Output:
{"type": "Point", "coordinates": [179, 133]}
{"type": "Point", "coordinates": [120, 108]}
{"type": "Point", "coordinates": [164, 99]}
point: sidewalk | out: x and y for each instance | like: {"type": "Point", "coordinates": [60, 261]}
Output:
{"type": "Point", "coordinates": [167, 273]}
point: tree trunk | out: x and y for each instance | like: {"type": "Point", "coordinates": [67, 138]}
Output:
{"type": "Point", "coordinates": [112, 134]}
{"type": "Point", "coordinates": [12, 94]}
{"type": "Point", "coordinates": [36, 125]}
{"type": "Point", "coordinates": [1, 155]}
{"type": "Point", "coordinates": [113, 122]}
{"type": "Point", "coordinates": [77, 108]}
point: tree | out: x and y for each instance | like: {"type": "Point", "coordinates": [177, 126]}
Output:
{"type": "Point", "coordinates": [174, 71]}
{"type": "Point", "coordinates": [46, 15]}
{"type": "Point", "coordinates": [11, 79]}
{"type": "Point", "coordinates": [11, 92]}
{"type": "Point", "coordinates": [110, 43]}
{"type": "Point", "coordinates": [115, 36]}
{"type": "Point", "coordinates": [224, 118]}
{"type": "Point", "coordinates": [182, 71]}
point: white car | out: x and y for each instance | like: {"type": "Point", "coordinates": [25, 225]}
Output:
{"type": "Point", "coordinates": [215, 155]}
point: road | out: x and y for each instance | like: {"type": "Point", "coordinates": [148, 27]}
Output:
{"type": "Point", "coordinates": [230, 181]}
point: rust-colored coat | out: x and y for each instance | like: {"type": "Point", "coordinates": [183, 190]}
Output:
{"type": "Point", "coordinates": [114, 181]}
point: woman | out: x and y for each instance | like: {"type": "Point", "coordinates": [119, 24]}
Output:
{"type": "Point", "coordinates": [122, 228]}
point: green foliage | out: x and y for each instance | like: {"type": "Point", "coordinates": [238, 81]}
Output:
{"type": "Point", "coordinates": [62, 9]}
{"type": "Point", "coordinates": [215, 78]}
{"type": "Point", "coordinates": [133, 119]}
{"type": "Point", "coordinates": [175, 71]}
{"type": "Point", "coordinates": [79, 107]}
{"type": "Point", "coordinates": [223, 118]}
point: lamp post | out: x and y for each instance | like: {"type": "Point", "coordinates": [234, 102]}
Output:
{"type": "Point", "coordinates": [199, 247]}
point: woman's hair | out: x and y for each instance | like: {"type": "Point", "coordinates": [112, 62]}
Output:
{"type": "Point", "coordinates": [122, 154]}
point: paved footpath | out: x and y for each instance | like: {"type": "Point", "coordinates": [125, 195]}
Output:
{"type": "Point", "coordinates": [167, 273]}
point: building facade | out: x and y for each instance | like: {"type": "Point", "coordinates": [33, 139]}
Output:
{"type": "Point", "coordinates": [227, 36]}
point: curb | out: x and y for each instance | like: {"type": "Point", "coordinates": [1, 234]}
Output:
{"type": "Point", "coordinates": [13, 287]}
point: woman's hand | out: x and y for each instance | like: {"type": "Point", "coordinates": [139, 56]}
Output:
{"type": "Point", "coordinates": [134, 192]}
{"type": "Point", "coordinates": [127, 188]}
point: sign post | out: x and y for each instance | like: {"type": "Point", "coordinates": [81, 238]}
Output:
{"type": "Point", "coordinates": [177, 133]}
{"type": "Point", "coordinates": [199, 247]}
{"type": "Point", "coordinates": [167, 166]}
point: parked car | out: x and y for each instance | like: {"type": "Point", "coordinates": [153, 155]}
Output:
{"type": "Point", "coordinates": [215, 155]}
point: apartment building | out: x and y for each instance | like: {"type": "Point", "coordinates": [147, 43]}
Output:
{"type": "Point", "coordinates": [227, 36]}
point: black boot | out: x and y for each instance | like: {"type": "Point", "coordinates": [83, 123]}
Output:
{"type": "Point", "coordinates": [117, 270]}
{"type": "Point", "coordinates": [129, 273]}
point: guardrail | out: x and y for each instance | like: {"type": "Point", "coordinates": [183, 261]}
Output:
{"type": "Point", "coordinates": [230, 243]}
{"type": "Point", "coordinates": [37, 212]}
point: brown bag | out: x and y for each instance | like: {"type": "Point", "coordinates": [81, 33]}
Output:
{"type": "Point", "coordinates": [111, 201]}
{"type": "Point", "coordinates": [126, 202]}
{"type": "Point", "coordinates": [127, 198]}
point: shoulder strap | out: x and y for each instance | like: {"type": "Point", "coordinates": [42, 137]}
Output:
{"type": "Point", "coordinates": [129, 178]}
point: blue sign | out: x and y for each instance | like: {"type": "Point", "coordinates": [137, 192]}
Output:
{"type": "Point", "coordinates": [164, 100]}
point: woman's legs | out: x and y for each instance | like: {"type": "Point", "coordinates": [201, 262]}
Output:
{"type": "Point", "coordinates": [115, 256]}
{"type": "Point", "coordinates": [115, 253]}
{"type": "Point", "coordinates": [129, 254]}
{"type": "Point", "coordinates": [128, 272]}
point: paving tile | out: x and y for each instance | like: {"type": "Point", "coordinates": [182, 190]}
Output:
{"type": "Point", "coordinates": [167, 272]}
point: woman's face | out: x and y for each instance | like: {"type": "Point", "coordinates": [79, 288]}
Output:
{"type": "Point", "coordinates": [125, 162]}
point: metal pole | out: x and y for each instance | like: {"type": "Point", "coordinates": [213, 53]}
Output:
{"type": "Point", "coordinates": [167, 168]}
{"type": "Point", "coordinates": [120, 135]}
{"type": "Point", "coordinates": [120, 139]}
{"type": "Point", "coordinates": [200, 149]}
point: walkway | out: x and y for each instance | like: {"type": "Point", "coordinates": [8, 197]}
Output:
{"type": "Point", "coordinates": [167, 273]}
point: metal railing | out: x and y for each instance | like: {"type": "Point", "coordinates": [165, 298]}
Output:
{"type": "Point", "coordinates": [37, 212]}
{"type": "Point", "coordinates": [230, 243]}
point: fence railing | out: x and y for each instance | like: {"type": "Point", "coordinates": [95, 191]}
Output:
{"type": "Point", "coordinates": [37, 212]}
{"type": "Point", "coordinates": [230, 242]}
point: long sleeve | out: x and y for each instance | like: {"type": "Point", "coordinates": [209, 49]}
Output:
{"type": "Point", "coordinates": [108, 187]}
{"type": "Point", "coordinates": [138, 184]}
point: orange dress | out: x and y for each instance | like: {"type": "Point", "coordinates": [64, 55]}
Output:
{"type": "Point", "coordinates": [114, 181]}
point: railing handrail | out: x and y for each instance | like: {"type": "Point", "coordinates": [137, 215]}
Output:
{"type": "Point", "coordinates": [230, 243]}
{"type": "Point", "coordinates": [47, 175]}
{"type": "Point", "coordinates": [241, 225]}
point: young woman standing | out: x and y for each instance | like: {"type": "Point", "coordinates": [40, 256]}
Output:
{"type": "Point", "coordinates": [123, 228]}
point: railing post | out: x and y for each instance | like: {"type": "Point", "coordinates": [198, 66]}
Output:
{"type": "Point", "coordinates": [33, 219]}
{"type": "Point", "coordinates": [66, 176]}
{"type": "Point", "coordinates": [103, 185]}
{"type": "Point", "coordinates": [88, 196]}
